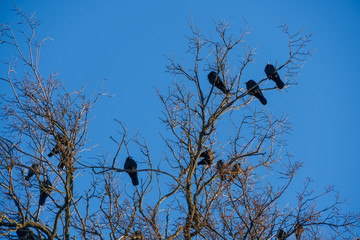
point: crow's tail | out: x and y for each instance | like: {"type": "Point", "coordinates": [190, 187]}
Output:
{"type": "Point", "coordinates": [262, 99]}
{"type": "Point", "coordinates": [224, 90]}
{"type": "Point", "coordinates": [135, 180]}
{"type": "Point", "coordinates": [280, 84]}
{"type": "Point", "coordinates": [42, 201]}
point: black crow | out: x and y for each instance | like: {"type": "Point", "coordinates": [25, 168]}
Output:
{"type": "Point", "coordinates": [208, 157]}
{"type": "Point", "coordinates": [60, 144]}
{"type": "Point", "coordinates": [138, 236]}
{"type": "Point", "coordinates": [45, 191]}
{"type": "Point", "coordinates": [236, 170]}
{"type": "Point", "coordinates": [220, 167]}
{"type": "Point", "coordinates": [25, 233]}
{"type": "Point", "coordinates": [254, 90]}
{"type": "Point", "coordinates": [272, 74]}
{"type": "Point", "coordinates": [131, 166]}
{"type": "Point", "coordinates": [215, 79]}
{"type": "Point", "coordinates": [32, 170]}
{"type": "Point", "coordinates": [299, 229]}
{"type": "Point", "coordinates": [281, 235]}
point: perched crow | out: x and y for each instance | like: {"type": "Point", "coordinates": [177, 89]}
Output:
{"type": "Point", "coordinates": [215, 79]}
{"type": "Point", "coordinates": [299, 229]}
{"type": "Point", "coordinates": [131, 167]}
{"type": "Point", "coordinates": [32, 170]}
{"type": "Point", "coordinates": [60, 144]}
{"type": "Point", "coordinates": [208, 157]}
{"type": "Point", "coordinates": [281, 235]}
{"type": "Point", "coordinates": [220, 167]}
{"type": "Point", "coordinates": [236, 170]}
{"type": "Point", "coordinates": [45, 191]}
{"type": "Point", "coordinates": [25, 234]}
{"type": "Point", "coordinates": [138, 236]}
{"type": "Point", "coordinates": [272, 74]}
{"type": "Point", "coordinates": [255, 91]}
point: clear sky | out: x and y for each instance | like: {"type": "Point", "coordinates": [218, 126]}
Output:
{"type": "Point", "coordinates": [125, 43]}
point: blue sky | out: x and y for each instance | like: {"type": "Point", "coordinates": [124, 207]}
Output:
{"type": "Point", "coordinates": [125, 43]}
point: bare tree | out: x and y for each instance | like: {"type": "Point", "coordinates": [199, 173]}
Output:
{"type": "Point", "coordinates": [237, 192]}
{"type": "Point", "coordinates": [45, 128]}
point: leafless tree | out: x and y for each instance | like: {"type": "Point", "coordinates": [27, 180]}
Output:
{"type": "Point", "coordinates": [243, 198]}
{"type": "Point", "coordinates": [40, 116]}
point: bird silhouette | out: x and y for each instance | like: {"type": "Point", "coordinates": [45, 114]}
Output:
{"type": "Point", "coordinates": [235, 170]}
{"type": "Point", "coordinates": [220, 167]}
{"type": "Point", "coordinates": [299, 229]}
{"type": "Point", "coordinates": [25, 233]}
{"type": "Point", "coordinates": [32, 170]}
{"type": "Point", "coordinates": [272, 74]}
{"type": "Point", "coordinates": [208, 157]}
{"type": "Point", "coordinates": [60, 144]}
{"type": "Point", "coordinates": [281, 235]}
{"type": "Point", "coordinates": [45, 190]}
{"type": "Point", "coordinates": [215, 79]}
{"type": "Point", "coordinates": [254, 90]}
{"type": "Point", "coordinates": [131, 167]}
